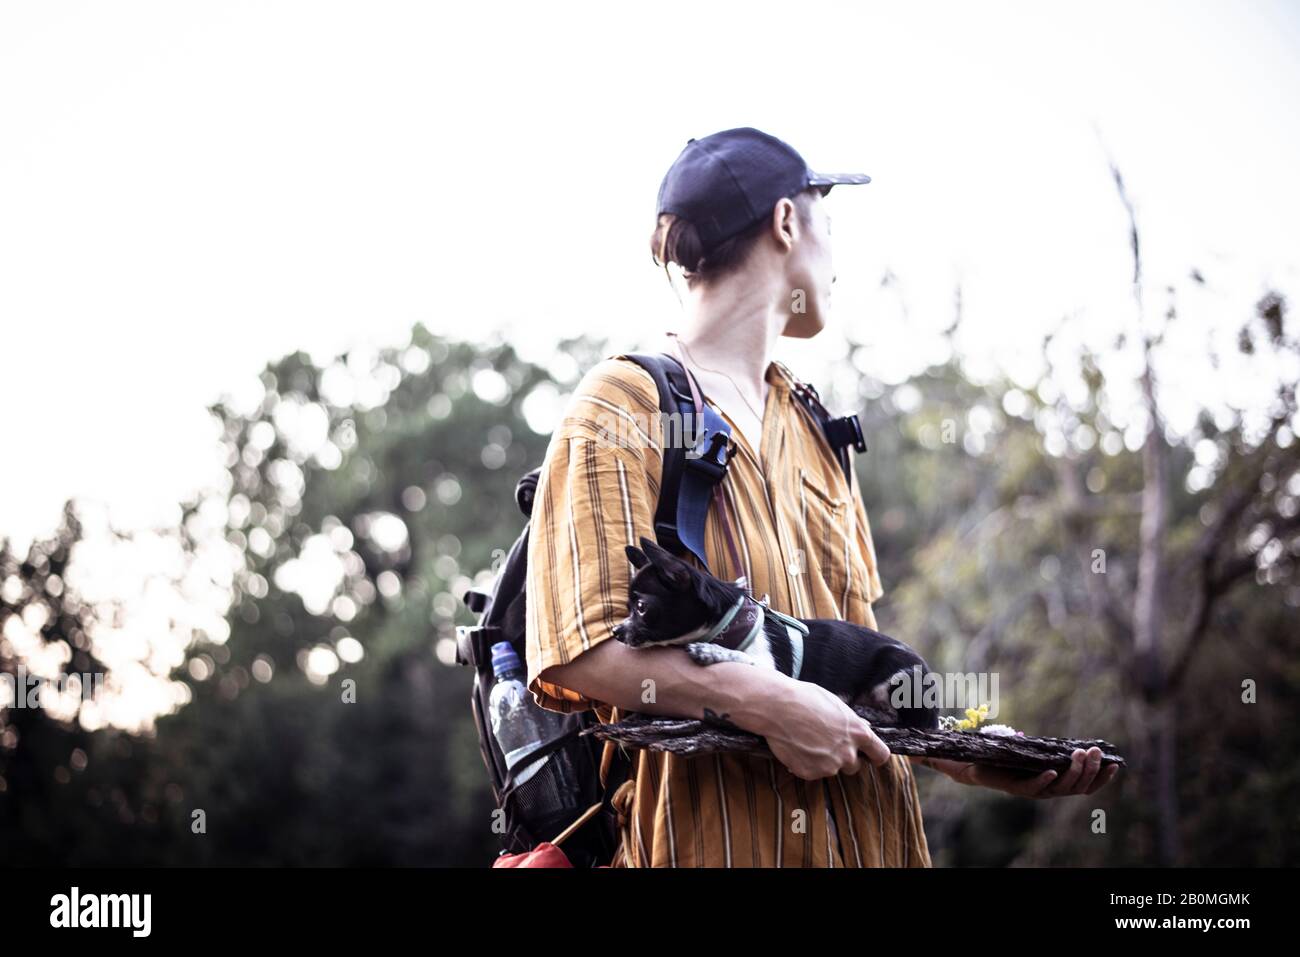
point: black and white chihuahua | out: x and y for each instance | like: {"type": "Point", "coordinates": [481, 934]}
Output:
{"type": "Point", "coordinates": [672, 603]}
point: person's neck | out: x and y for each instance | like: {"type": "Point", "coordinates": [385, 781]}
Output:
{"type": "Point", "coordinates": [731, 327]}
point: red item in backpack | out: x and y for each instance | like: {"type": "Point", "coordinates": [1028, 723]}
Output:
{"type": "Point", "coordinates": [544, 854]}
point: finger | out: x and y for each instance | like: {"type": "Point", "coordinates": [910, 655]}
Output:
{"type": "Point", "coordinates": [853, 764]}
{"type": "Point", "coordinates": [1104, 778]}
{"type": "Point", "coordinates": [877, 751]}
{"type": "Point", "coordinates": [1091, 765]}
{"type": "Point", "coordinates": [1065, 784]}
{"type": "Point", "coordinates": [1014, 782]}
{"type": "Point", "coordinates": [1039, 786]}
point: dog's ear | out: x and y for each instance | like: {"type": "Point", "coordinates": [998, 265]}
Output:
{"type": "Point", "coordinates": [636, 556]}
{"type": "Point", "coordinates": [674, 571]}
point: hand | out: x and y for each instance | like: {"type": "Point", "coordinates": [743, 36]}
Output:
{"type": "Point", "coordinates": [815, 734]}
{"type": "Point", "coordinates": [1082, 777]}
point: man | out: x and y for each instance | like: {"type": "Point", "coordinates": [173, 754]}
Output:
{"type": "Point", "coordinates": [742, 215]}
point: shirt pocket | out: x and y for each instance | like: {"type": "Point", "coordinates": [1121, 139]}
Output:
{"type": "Point", "coordinates": [831, 555]}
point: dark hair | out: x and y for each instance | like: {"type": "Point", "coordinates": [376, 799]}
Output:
{"type": "Point", "coordinates": [676, 240]}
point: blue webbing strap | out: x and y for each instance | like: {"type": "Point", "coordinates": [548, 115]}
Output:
{"type": "Point", "coordinates": [706, 464]}
{"type": "Point", "coordinates": [694, 457]}
{"type": "Point", "coordinates": [695, 453]}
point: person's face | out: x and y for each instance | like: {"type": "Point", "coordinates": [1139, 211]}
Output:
{"type": "Point", "coordinates": [809, 270]}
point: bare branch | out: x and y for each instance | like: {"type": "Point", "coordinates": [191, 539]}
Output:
{"type": "Point", "coordinates": [1021, 752]}
{"type": "Point", "coordinates": [1216, 584]}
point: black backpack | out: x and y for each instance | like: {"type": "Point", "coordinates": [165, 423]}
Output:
{"type": "Point", "coordinates": [528, 812]}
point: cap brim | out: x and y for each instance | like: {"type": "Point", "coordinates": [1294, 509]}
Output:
{"type": "Point", "coordinates": [827, 180]}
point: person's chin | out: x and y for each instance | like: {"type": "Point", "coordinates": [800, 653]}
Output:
{"type": "Point", "coordinates": [805, 325]}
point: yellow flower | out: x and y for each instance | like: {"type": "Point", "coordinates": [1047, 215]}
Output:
{"type": "Point", "coordinates": [974, 718]}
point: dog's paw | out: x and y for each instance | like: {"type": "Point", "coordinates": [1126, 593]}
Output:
{"type": "Point", "coordinates": [880, 699]}
{"type": "Point", "coordinates": [707, 653]}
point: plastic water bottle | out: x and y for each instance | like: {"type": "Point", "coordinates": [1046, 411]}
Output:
{"type": "Point", "coordinates": [521, 727]}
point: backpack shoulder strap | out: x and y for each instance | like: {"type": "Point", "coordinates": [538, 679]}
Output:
{"type": "Point", "coordinates": [695, 457]}
{"type": "Point", "coordinates": [842, 432]}
{"type": "Point", "coordinates": [674, 456]}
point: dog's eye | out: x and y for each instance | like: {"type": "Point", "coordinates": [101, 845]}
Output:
{"type": "Point", "coordinates": [640, 606]}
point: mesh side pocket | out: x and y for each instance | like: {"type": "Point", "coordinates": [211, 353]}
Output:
{"type": "Point", "coordinates": [566, 785]}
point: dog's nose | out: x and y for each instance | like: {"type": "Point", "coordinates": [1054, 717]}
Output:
{"type": "Point", "coordinates": [617, 630]}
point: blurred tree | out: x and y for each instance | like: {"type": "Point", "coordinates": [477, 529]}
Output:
{"type": "Point", "coordinates": [364, 498]}
{"type": "Point", "coordinates": [38, 755]}
{"type": "Point", "coordinates": [1120, 590]}
{"type": "Point", "coordinates": [1025, 537]}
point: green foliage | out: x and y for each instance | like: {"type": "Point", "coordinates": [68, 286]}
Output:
{"type": "Point", "coordinates": [987, 546]}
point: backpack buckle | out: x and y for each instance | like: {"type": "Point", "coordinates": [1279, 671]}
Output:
{"type": "Point", "coordinates": [465, 646]}
{"type": "Point", "coordinates": [807, 390]}
{"type": "Point", "coordinates": [710, 454]}
{"type": "Point", "coordinates": [846, 430]}
{"type": "Point", "coordinates": [474, 644]}
{"type": "Point", "coordinates": [475, 600]}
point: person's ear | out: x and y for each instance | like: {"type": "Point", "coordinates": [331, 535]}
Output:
{"type": "Point", "coordinates": [785, 222]}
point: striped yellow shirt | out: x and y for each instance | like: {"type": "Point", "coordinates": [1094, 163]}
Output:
{"type": "Point", "coordinates": [804, 540]}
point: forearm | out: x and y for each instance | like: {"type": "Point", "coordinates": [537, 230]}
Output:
{"type": "Point", "coordinates": [665, 681]}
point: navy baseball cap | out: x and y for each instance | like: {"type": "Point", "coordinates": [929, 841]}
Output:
{"type": "Point", "coordinates": [726, 182]}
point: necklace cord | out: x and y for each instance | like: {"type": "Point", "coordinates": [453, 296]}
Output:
{"type": "Point", "coordinates": [757, 414]}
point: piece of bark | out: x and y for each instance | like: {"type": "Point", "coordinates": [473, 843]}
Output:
{"type": "Point", "coordinates": [1019, 752]}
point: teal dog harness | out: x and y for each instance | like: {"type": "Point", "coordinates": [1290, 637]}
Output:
{"type": "Point", "coordinates": [742, 623]}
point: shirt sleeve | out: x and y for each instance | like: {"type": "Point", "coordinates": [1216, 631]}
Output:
{"type": "Point", "coordinates": [594, 496]}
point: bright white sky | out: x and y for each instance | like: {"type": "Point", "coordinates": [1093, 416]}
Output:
{"type": "Point", "coordinates": [190, 189]}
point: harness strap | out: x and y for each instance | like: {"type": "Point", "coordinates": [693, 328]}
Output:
{"type": "Point", "coordinates": [797, 630]}
{"type": "Point", "coordinates": [738, 628]}
{"type": "Point", "coordinates": [743, 621]}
